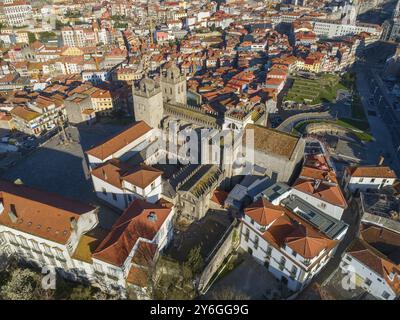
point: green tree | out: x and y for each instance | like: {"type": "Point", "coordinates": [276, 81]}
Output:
{"type": "Point", "coordinates": [81, 293]}
{"type": "Point", "coordinates": [23, 284]}
{"type": "Point", "coordinates": [195, 260]}
{"type": "Point", "coordinates": [31, 37]}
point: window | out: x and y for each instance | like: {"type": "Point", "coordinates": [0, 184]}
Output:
{"type": "Point", "coordinates": [294, 253]}
{"type": "Point", "coordinates": [112, 272]}
{"type": "Point", "coordinates": [252, 221]}
{"type": "Point", "coordinates": [293, 273]}
{"type": "Point", "coordinates": [153, 185]}
{"type": "Point", "coordinates": [373, 180]}
{"type": "Point", "coordinates": [24, 243]}
{"type": "Point", "coordinates": [35, 245]}
{"type": "Point", "coordinates": [256, 239]}
{"type": "Point", "coordinates": [114, 196]}
{"type": "Point", "coordinates": [348, 258]}
{"type": "Point", "coordinates": [247, 235]}
{"type": "Point", "coordinates": [282, 263]}
{"type": "Point", "coordinates": [47, 250]}
{"type": "Point", "coordinates": [104, 191]}
{"type": "Point", "coordinates": [368, 282]}
{"type": "Point", "coordinates": [60, 255]}
{"type": "Point", "coordinates": [12, 237]}
{"type": "Point", "coordinates": [268, 252]}
{"type": "Point", "coordinates": [322, 205]}
{"type": "Point", "coordinates": [385, 295]}
{"type": "Point", "coordinates": [361, 180]}
{"type": "Point", "coordinates": [97, 267]}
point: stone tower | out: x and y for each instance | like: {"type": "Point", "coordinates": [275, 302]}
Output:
{"type": "Point", "coordinates": [148, 102]}
{"type": "Point", "coordinates": [173, 85]}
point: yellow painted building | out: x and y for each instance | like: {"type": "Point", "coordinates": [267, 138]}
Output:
{"type": "Point", "coordinates": [102, 101]}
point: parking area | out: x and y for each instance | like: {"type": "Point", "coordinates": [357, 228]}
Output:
{"type": "Point", "coordinates": [249, 278]}
{"type": "Point", "coordinates": [61, 167]}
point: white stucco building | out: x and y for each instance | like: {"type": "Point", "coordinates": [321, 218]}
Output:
{"type": "Point", "coordinates": [371, 262]}
{"type": "Point", "coordinates": [362, 178]}
{"type": "Point", "coordinates": [292, 249]}
{"type": "Point", "coordinates": [61, 234]}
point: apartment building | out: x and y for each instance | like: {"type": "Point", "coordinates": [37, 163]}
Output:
{"type": "Point", "coordinates": [54, 232]}
{"type": "Point", "coordinates": [336, 29]}
{"type": "Point", "coordinates": [133, 244]}
{"type": "Point", "coordinates": [44, 228]}
{"type": "Point", "coordinates": [292, 249]}
{"type": "Point", "coordinates": [17, 13]}
{"type": "Point", "coordinates": [26, 120]}
{"type": "Point", "coordinates": [372, 262]}
{"type": "Point", "coordinates": [119, 183]}
{"type": "Point", "coordinates": [73, 37]}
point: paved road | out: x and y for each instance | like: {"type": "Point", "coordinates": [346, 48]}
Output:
{"type": "Point", "coordinates": [382, 128]}
{"type": "Point", "coordinates": [288, 124]}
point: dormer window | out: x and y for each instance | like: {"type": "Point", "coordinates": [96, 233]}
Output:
{"type": "Point", "coordinates": [152, 216]}
{"type": "Point", "coordinates": [13, 213]}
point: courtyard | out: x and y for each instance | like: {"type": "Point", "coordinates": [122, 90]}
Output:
{"type": "Point", "coordinates": [251, 279]}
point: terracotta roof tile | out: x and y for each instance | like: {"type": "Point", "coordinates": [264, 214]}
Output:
{"type": "Point", "coordinates": [120, 140]}
{"type": "Point", "coordinates": [132, 225]}
{"type": "Point", "coordinates": [39, 213]}
{"type": "Point", "coordinates": [372, 171]}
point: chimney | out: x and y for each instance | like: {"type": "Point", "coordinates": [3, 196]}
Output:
{"type": "Point", "coordinates": [381, 160]}
{"type": "Point", "coordinates": [152, 216]}
{"type": "Point", "coordinates": [316, 184]}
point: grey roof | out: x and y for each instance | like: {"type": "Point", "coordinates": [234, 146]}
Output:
{"type": "Point", "coordinates": [260, 187]}
{"type": "Point", "coordinates": [328, 225]}
{"type": "Point", "coordinates": [380, 204]}
{"type": "Point", "coordinates": [275, 191]}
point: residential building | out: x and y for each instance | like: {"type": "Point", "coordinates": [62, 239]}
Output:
{"type": "Point", "coordinates": [372, 262]}
{"type": "Point", "coordinates": [362, 178]}
{"type": "Point", "coordinates": [292, 250]}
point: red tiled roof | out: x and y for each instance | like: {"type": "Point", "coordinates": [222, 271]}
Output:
{"type": "Point", "coordinates": [132, 225]}
{"type": "Point", "coordinates": [119, 141]}
{"type": "Point", "coordinates": [39, 213]}
{"type": "Point", "coordinates": [328, 192]}
{"type": "Point", "coordinates": [372, 171]}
